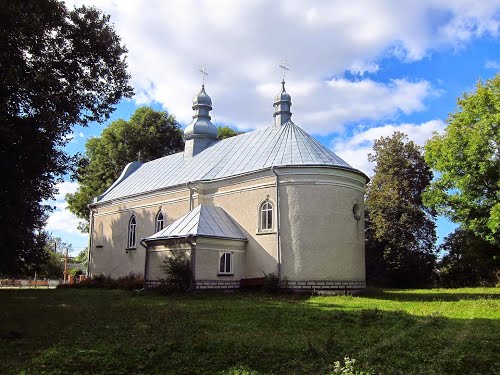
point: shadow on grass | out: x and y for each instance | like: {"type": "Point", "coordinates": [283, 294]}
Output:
{"type": "Point", "coordinates": [75, 331]}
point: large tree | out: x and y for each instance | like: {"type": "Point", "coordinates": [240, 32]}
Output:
{"type": "Point", "coordinates": [400, 230]}
{"type": "Point", "coordinates": [467, 157]}
{"type": "Point", "coordinates": [148, 135]}
{"type": "Point", "coordinates": [58, 68]}
{"type": "Point", "coordinates": [469, 260]}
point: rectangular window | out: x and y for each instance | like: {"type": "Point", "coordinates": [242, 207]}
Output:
{"type": "Point", "coordinates": [226, 264]}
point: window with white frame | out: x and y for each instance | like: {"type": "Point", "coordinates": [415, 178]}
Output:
{"type": "Point", "coordinates": [266, 216]}
{"type": "Point", "coordinates": [226, 263]}
{"type": "Point", "coordinates": [132, 233]}
{"type": "Point", "coordinates": [159, 222]}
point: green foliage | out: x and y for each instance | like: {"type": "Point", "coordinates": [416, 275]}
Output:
{"type": "Point", "coordinates": [49, 261]}
{"type": "Point", "coordinates": [469, 261]}
{"type": "Point", "coordinates": [152, 133]}
{"type": "Point", "coordinates": [82, 257]}
{"type": "Point", "coordinates": [224, 132]}
{"type": "Point", "coordinates": [178, 273]}
{"type": "Point", "coordinates": [467, 157]}
{"type": "Point", "coordinates": [53, 267]}
{"type": "Point", "coordinates": [75, 272]}
{"type": "Point", "coordinates": [248, 333]}
{"type": "Point", "coordinates": [400, 230]}
{"type": "Point", "coordinates": [59, 68]}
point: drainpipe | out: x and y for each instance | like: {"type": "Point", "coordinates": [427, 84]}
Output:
{"type": "Point", "coordinates": [278, 235]}
{"type": "Point", "coordinates": [91, 230]}
{"type": "Point", "coordinates": [193, 261]}
{"type": "Point", "coordinates": [145, 246]}
{"type": "Point", "coordinates": [191, 194]}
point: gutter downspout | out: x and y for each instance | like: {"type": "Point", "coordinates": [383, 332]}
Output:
{"type": "Point", "coordinates": [193, 261]}
{"type": "Point", "coordinates": [278, 234]}
{"type": "Point", "coordinates": [91, 232]}
{"type": "Point", "coordinates": [145, 246]}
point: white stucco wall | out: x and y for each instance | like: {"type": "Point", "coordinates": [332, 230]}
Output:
{"type": "Point", "coordinates": [114, 258]}
{"type": "Point", "coordinates": [320, 238]}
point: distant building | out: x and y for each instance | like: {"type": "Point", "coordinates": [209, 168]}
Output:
{"type": "Point", "coordinates": [273, 200]}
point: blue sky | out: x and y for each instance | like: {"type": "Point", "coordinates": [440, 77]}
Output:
{"type": "Point", "coordinates": [359, 70]}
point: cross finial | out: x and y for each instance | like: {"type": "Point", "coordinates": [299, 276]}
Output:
{"type": "Point", "coordinates": [284, 68]}
{"type": "Point", "coordinates": [203, 74]}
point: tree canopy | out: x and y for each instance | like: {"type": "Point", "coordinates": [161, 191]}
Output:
{"type": "Point", "coordinates": [400, 230]}
{"type": "Point", "coordinates": [224, 132]}
{"type": "Point", "coordinates": [469, 260]}
{"type": "Point", "coordinates": [151, 133]}
{"type": "Point", "coordinates": [58, 68]}
{"type": "Point", "coordinates": [467, 159]}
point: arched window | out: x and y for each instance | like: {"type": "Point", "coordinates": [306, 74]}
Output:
{"type": "Point", "coordinates": [266, 216]}
{"type": "Point", "coordinates": [131, 232]}
{"type": "Point", "coordinates": [159, 222]}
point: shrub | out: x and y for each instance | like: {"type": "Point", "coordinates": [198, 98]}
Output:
{"type": "Point", "coordinates": [271, 282]}
{"type": "Point", "coordinates": [132, 281]}
{"type": "Point", "coordinates": [178, 274]}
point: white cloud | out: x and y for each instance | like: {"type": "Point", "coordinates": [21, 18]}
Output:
{"type": "Point", "coordinates": [356, 148]}
{"type": "Point", "coordinates": [362, 67]}
{"type": "Point", "coordinates": [489, 64]}
{"type": "Point", "coordinates": [81, 135]}
{"type": "Point", "coordinates": [61, 221]}
{"type": "Point", "coordinates": [340, 101]}
{"type": "Point", "coordinates": [242, 42]}
{"type": "Point", "coordinates": [64, 188]}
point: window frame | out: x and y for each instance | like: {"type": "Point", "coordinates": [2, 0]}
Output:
{"type": "Point", "coordinates": [132, 233]}
{"type": "Point", "coordinates": [157, 220]}
{"type": "Point", "coordinates": [266, 207]}
{"type": "Point", "coordinates": [225, 272]}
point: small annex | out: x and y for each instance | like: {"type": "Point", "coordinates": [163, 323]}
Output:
{"type": "Point", "coordinates": [274, 200]}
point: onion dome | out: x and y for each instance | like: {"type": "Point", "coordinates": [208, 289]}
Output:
{"type": "Point", "coordinates": [200, 133]}
{"type": "Point", "coordinates": [282, 104]}
{"type": "Point", "coordinates": [202, 98]}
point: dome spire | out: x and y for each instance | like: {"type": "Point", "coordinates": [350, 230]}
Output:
{"type": "Point", "coordinates": [200, 133]}
{"type": "Point", "coordinates": [282, 101]}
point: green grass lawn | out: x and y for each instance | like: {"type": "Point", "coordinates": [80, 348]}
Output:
{"type": "Point", "coordinates": [115, 332]}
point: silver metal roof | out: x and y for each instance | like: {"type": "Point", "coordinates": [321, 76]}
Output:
{"type": "Point", "coordinates": [202, 221]}
{"type": "Point", "coordinates": [286, 145]}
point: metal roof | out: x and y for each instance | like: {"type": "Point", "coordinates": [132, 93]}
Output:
{"type": "Point", "coordinates": [202, 221]}
{"type": "Point", "coordinates": [286, 145]}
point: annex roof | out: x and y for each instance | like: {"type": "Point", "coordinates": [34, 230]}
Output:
{"type": "Point", "coordinates": [286, 145]}
{"type": "Point", "coordinates": [202, 221]}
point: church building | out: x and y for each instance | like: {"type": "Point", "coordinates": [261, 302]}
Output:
{"type": "Point", "coordinates": [273, 200]}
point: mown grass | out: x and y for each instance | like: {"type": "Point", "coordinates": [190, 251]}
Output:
{"type": "Point", "coordinates": [116, 332]}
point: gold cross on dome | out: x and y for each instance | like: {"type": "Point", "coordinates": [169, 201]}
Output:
{"type": "Point", "coordinates": [203, 73]}
{"type": "Point", "coordinates": [284, 68]}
